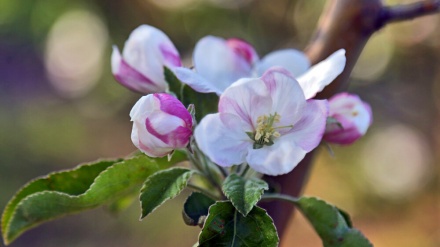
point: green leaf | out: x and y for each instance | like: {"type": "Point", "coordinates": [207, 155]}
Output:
{"type": "Point", "coordinates": [196, 208]}
{"type": "Point", "coordinates": [71, 191]}
{"type": "Point", "coordinates": [174, 83]}
{"type": "Point", "coordinates": [225, 226]}
{"type": "Point", "coordinates": [205, 103]}
{"type": "Point", "coordinates": [330, 224]}
{"type": "Point", "coordinates": [243, 193]}
{"type": "Point", "coordinates": [162, 186]}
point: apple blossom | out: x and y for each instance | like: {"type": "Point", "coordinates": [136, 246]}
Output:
{"type": "Point", "coordinates": [141, 66]}
{"type": "Point", "coordinates": [353, 116]}
{"type": "Point", "coordinates": [160, 124]}
{"type": "Point", "coordinates": [266, 122]}
{"type": "Point", "coordinates": [219, 63]}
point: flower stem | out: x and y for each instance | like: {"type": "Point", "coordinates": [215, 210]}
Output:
{"type": "Point", "coordinates": [204, 191]}
{"type": "Point", "coordinates": [281, 197]}
{"type": "Point", "coordinates": [245, 170]}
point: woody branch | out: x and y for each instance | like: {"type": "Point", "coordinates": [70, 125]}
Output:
{"type": "Point", "coordinates": [344, 24]}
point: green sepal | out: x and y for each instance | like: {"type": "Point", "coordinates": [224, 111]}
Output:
{"type": "Point", "coordinates": [332, 121]}
{"type": "Point", "coordinates": [251, 135]}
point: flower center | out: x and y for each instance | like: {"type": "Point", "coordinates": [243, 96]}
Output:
{"type": "Point", "coordinates": [265, 133]}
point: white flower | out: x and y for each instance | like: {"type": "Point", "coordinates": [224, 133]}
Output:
{"type": "Point", "coordinates": [141, 66]}
{"type": "Point", "coordinates": [160, 124]}
{"type": "Point", "coordinates": [266, 122]}
{"type": "Point", "coordinates": [354, 117]}
{"type": "Point", "coordinates": [219, 63]}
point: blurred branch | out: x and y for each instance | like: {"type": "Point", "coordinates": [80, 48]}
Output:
{"type": "Point", "coordinates": [344, 24]}
{"type": "Point", "coordinates": [408, 11]}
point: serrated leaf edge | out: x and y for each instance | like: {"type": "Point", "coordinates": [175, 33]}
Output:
{"type": "Point", "coordinates": [162, 171]}
{"type": "Point", "coordinates": [5, 222]}
{"type": "Point", "coordinates": [259, 198]}
{"type": "Point", "coordinates": [116, 164]}
{"type": "Point", "coordinates": [265, 212]}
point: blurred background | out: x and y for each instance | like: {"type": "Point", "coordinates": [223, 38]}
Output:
{"type": "Point", "coordinates": [60, 106]}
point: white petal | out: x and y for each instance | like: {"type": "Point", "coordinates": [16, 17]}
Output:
{"type": "Point", "coordinates": [116, 59]}
{"type": "Point", "coordinates": [196, 81]}
{"type": "Point", "coordinates": [147, 50]}
{"type": "Point", "coordinates": [308, 131]}
{"type": "Point", "coordinates": [248, 99]}
{"type": "Point", "coordinates": [215, 61]}
{"type": "Point", "coordinates": [287, 96]}
{"type": "Point", "coordinates": [147, 142]}
{"type": "Point", "coordinates": [223, 139]}
{"type": "Point", "coordinates": [294, 61]}
{"type": "Point", "coordinates": [277, 159]}
{"type": "Point", "coordinates": [322, 74]}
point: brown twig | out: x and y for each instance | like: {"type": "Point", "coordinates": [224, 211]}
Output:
{"type": "Point", "coordinates": [344, 24]}
{"type": "Point", "coordinates": [408, 11]}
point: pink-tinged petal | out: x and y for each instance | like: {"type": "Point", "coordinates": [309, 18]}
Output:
{"type": "Point", "coordinates": [322, 74]}
{"type": "Point", "coordinates": [287, 96]}
{"type": "Point", "coordinates": [294, 61]}
{"type": "Point", "coordinates": [218, 63]}
{"type": "Point", "coordinates": [346, 135]}
{"type": "Point", "coordinates": [353, 114]}
{"type": "Point", "coordinates": [277, 159]}
{"type": "Point", "coordinates": [195, 81]}
{"type": "Point", "coordinates": [221, 137]}
{"type": "Point", "coordinates": [131, 78]}
{"type": "Point", "coordinates": [248, 99]}
{"type": "Point", "coordinates": [169, 104]}
{"type": "Point", "coordinates": [308, 131]}
{"type": "Point", "coordinates": [165, 127]}
{"type": "Point", "coordinates": [147, 143]}
{"type": "Point", "coordinates": [147, 51]}
{"type": "Point", "coordinates": [243, 49]}
{"type": "Point", "coordinates": [160, 124]}
{"type": "Point", "coordinates": [170, 55]}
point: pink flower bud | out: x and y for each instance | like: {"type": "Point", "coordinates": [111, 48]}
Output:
{"type": "Point", "coordinates": [243, 50]}
{"type": "Point", "coordinates": [160, 124]}
{"type": "Point", "coordinates": [354, 117]}
{"type": "Point", "coordinates": [141, 65]}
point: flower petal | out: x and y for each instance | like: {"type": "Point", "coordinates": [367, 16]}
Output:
{"type": "Point", "coordinates": [195, 81]}
{"type": "Point", "coordinates": [221, 137]}
{"type": "Point", "coordinates": [160, 124]}
{"type": "Point", "coordinates": [218, 63]}
{"type": "Point", "coordinates": [353, 114]}
{"type": "Point", "coordinates": [147, 50]}
{"type": "Point", "coordinates": [243, 49]}
{"type": "Point", "coordinates": [308, 131]}
{"type": "Point", "coordinates": [293, 60]}
{"type": "Point", "coordinates": [322, 74]}
{"type": "Point", "coordinates": [287, 96]}
{"type": "Point", "coordinates": [248, 99]}
{"type": "Point", "coordinates": [131, 78]}
{"type": "Point", "coordinates": [148, 143]}
{"type": "Point", "coordinates": [277, 159]}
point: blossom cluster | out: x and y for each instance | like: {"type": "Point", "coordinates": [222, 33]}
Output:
{"type": "Point", "coordinates": [266, 117]}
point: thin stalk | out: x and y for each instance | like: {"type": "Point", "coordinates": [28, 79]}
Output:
{"type": "Point", "coordinates": [281, 197]}
{"type": "Point", "coordinates": [245, 170]}
{"type": "Point", "coordinates": [204, 191]}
